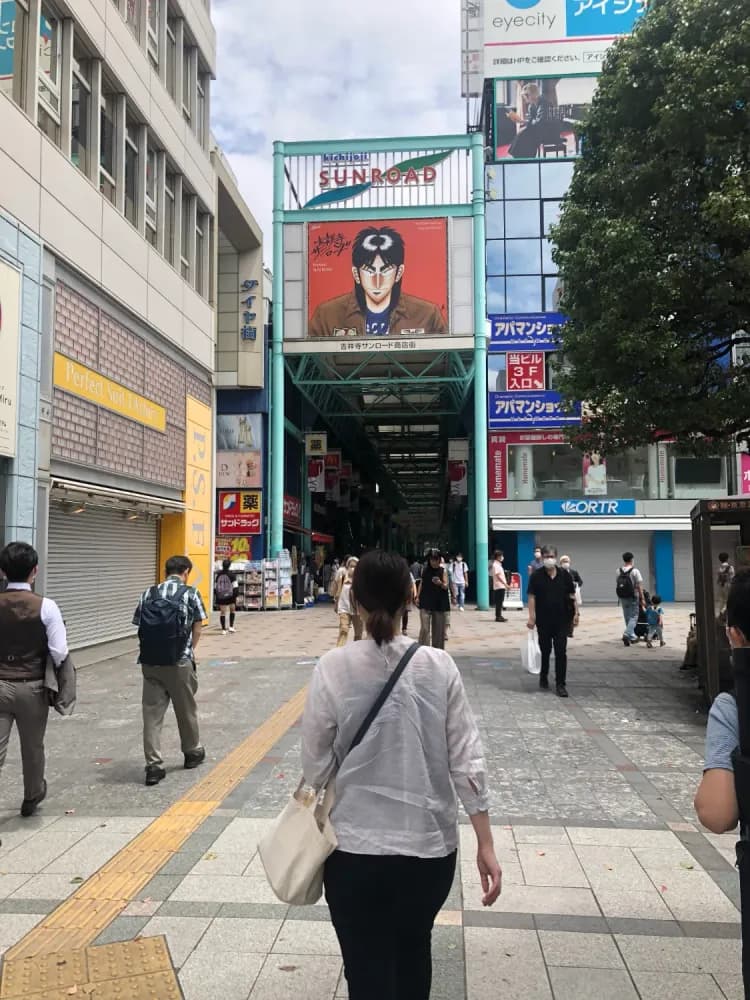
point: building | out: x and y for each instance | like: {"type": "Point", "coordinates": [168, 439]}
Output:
{"type": "Point", "coordinates": [109, 206]}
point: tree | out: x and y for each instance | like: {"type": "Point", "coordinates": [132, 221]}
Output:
{"type": "Point", "coordinates": [653, 244]}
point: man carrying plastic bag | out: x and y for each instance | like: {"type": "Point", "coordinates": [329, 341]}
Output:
{"type": "Point", "coordinates": [531, 654]}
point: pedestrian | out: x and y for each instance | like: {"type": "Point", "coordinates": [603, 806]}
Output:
{"type": "Point", "coordinates": [170, 618]}
{"type": "Point", "coordinates": [410, 605]}
{"type": "Point", "coordinates": [345, 606]}
{"type": "Point", "coordinates": [395, 814]}
{"type": "Point", "coordinates": [225, 588]}
{"type": "Point", "coordinates": [416, 568]}
{"type": "Point", "coordinates": [31, 628]}
{"type": "Point", "coordinates": [723, 582]}
{"type": "Point", "coordinates": [629, 589]}
{"type": "Point", "coordinates": [565, 564]}
{"type": "Point", "coordinates": [499, 584]}
{"type": "Point", "coordinates": [551, 608]}
{"type": "Point", "coordinates": [537, 562]}
{"type": "Point", "coordinates": [655, 619]}
{"type": "Point", "coordinates": [460, 579]}
{"type": "Point", "coordinates": [433, 600]}
{"type": "Point", "coordinates": [448, 564]}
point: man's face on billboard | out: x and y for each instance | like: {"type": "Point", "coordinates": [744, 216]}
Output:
{"type": "Point", "coordinates": [378, 280]}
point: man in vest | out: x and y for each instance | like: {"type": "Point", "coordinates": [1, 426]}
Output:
{"type": "Point", "coordinates": [31, 628]}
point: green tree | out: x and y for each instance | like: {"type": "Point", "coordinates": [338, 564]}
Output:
{"type": "Point", "coordinates": [653, 244]}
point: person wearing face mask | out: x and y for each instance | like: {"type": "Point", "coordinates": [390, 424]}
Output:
{"type": "Point", "coordinates": [537, 562]}
{"type": "Point", "coordinates": [499, 585]}
{"type": "Point", "coordinates": [551, 609]}
{"type": "Point", "coordinates": [578, 582]}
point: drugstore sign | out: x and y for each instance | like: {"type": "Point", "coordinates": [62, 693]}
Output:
{"type": "Point", "coordinates": [240, 512]}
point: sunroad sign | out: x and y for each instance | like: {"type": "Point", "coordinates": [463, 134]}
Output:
{"type": "Point", "coordinates": [589, 508]}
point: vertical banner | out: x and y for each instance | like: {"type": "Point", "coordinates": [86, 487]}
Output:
{"type": "Point", "coordinates": [663, 460]}
{"type": "Point", "coordinates": [745, 473]}
{"type": "Point", "coordinates": [316, 475]}
{"type": "Point", "coordinates": [594, 475]}
{"type": "Point", "coordinates": [198, 489]}
{"type": "Point", "coordinates": [345, 482]}
{"type": "Point", "coordinates": [333, 475]}
{"type": "Point", "coordinates": [316, 444]}
{"type": "Point", "coordinates": [498, 467]}
{"type": "Point", "coordinates": [458, 477]}
{"type": "Point", "coordinates": [10, 329]}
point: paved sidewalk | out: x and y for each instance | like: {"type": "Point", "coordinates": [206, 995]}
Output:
{"type": "Point", "coordinates": [610, 887]}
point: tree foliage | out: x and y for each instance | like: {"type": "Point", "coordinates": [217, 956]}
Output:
{"type": "Point", "coordinates": [653, 244]}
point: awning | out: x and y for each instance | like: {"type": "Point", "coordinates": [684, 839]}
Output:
{"type": "Point", "coordinates": [322, 539]}
{"type": "Point", "coordinates": [295, 529]}
{"type": "Point", "coordinates": [548, 524]}
{"type": "Point", "coordinates": [95, 495]}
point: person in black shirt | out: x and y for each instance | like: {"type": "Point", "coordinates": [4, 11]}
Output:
{"type": "Point", "coordinates": [434, 601]}
{"type": "Point", "coordinates": [225, 588]}
{"type": "Point", "coordinates": [551, 609]}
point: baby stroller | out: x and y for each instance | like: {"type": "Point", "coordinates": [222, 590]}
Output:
{"type": "Point", "coordinates": [641, 626]}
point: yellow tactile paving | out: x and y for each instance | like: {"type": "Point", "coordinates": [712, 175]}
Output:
{"type": "Point", "coordinates": [130, 970]}
{"type": "Point", "coordinates": [82, 917]}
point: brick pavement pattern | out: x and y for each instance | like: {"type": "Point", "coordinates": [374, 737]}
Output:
{"type": "Point", "coordinates": [611, 888]}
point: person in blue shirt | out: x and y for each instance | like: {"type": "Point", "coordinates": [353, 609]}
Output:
{"type": "Point", "coordinates": [655, 622]}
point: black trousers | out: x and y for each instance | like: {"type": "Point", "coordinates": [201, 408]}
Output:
{"type": "Point", "coordinates": [383, 909]}
{"type": "Point", "coordinates": [499, 602]}
{"type": "Point", "coordinates": [554, 635]}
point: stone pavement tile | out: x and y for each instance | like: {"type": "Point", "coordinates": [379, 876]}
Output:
{"type": "Point", "coordinates": [448, 980]}
{"type": "Point", "coordinates": [693, 895]}
{"type": "Point", "coordinates": [659, 858]}
{"type": "Point", "coordinates": [731, 985]}
{"type": "Point", "coordinates": [89, 854]}
{"type": "Point", "coordinates": [502, 836]}
{"type": "Point", "coordinates": [226, 980]}
{"type": "Point", "coordinates": [16, 830]}
{"type": "Point", "coordinates": [35, 853]}
{"type": "Point", "coordinates": [592, 951]}
{"type": "Point", "coordinates": [488, 918]}
{"type": "Point", "coordinates": [705, 929]}
{"type": "Point", "coordinates": [182, 934]}
{"type": "Point", "coordinates": [551, 865]}
{"type": "Point", "coordinates": [621, 837]}
{"type": "Point", "coordinates": [676, 986]}
{"type": "Point", "coordinates": [111, 824]}
{"type": "Point", "coordinates": [223, 889]}
{"type": "Point", "coordinates": [541, 835]}
{"type": "Point", "coordinates": [470, 880]}
{"type": "Point", "coordinates": [316, 913]}
{"type": "Point", "coordinates": [240, 935]}
{"type": "Point", "coordinates": [667, 954]}
{"type": "Point", "coordinates": [591, 984]}
{"type": "Point", "coordinates": [260, 911]}
{"type": "Point", "coordinates": [729, 884]}
{"type": "Point", "coordinates": [122, 929]}
{"type": "Point", "coordinates": [13, 926]}
{"type": "Point", "coordinates": [505, 963]}
{"type": "Point", "coordinates": [161, 887]}
{"type": "Point", "coordinates": [613, 869]}
{"type": "Point", "coordinates": [9, 883]}
{"type": "Point", "coordinates": [28, 905]}
{"type": "Point", "coordinates": [540, 899]}
{"type": "Point", "coordinates": [290, 977]}
{"type": "Point", "coordinates": [197, 908]}
{"type": "Point", "coordinates": [181, 863]}
{"type": "Point", "coordinates": [142, 908]}
{"type": "Point", "coordinates": [305, 937]}
{"type": "Point", "coordinates": [649, 928]}
{"type": "Point", "coordinates": [646, 905]}
{"type": "Point", "coordinates": [46, 887]}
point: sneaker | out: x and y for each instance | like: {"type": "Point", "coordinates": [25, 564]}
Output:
{"type": "Point", "coordinates": [194, 758]}
{"type": "Point", "coordinates": [461, 609]}
{"type": "Point", "coordinates": [223, 631]}
{"type": "Point", "coordinates": [626, 640]}
{"type": "Point", "coordinates": [562, 691]}
{"type": "Point", "coordinates": [232, 628]}
{"type": "Point", "coordinates": [543, 683]}
{"type": "Point", "coordinates": [662, 643]}
{"type": "Point", "coordinates": [155, 774]}
{"type": "Point", "coordinates": [649, 644]}
{"type": "Point", "coordinates": [404, 632]}
{"type": "Point", "coordinates": [29, 806]}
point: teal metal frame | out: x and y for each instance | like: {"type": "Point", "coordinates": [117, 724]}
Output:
{"type": "Point", "coordinates": [472, 144]}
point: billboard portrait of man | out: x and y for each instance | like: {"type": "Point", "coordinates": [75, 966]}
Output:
{"type": "Point", "coordinates": [377, 305]}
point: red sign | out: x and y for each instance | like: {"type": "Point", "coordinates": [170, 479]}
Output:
{"type": "Point", "coordinates": [528, 437]}
{"type": "Point", "coordinates": [240, 512]}
{"type": "Point", "coordinates": [498, 467]}
{"type": "Point", "coordinates": [745, 467]}
{"type": "Point", "coordinates": [292, 510]}
{"type": "Point", "coordinates": [333, 461]}
{"type": "Point", "coordinates": [458, 478]}
{"type": "Point", "coordinates": [346, 470]}
{"type": "Point", "coordinates": [316, 482]}
{"type": "Point", "coordinates": [525, 371]}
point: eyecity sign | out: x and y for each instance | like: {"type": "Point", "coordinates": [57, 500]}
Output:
{"type": "Point", "coordinates": [589, 508]}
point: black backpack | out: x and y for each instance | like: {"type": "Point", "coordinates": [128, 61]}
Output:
{"type": "Point", "coordinates": [163, 629]}
{"type": "Point", "coordinates": [625, 585]}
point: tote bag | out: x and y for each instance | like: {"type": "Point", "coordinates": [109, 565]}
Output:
{"type": "Point", "coordinates": [295, 848]}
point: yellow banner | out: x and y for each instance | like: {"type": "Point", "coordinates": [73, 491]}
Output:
{"type": "Point", "coordinates": [77, 379]}
{"type": "Point", "coordinates": [198, 492]}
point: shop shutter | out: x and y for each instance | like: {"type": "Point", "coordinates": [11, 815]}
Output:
{"type": "Point", "coordinates": [98, 566]}
{"type": "Point", "coordinates": [597, 555]}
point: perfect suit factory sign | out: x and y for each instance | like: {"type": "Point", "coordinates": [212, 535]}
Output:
{"type": "Point", "coordinates": [538, 38]}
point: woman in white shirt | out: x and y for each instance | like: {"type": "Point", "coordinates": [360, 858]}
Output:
{"type": "Point", "coordinates": [396, 814]}
{"type": "Point", "coordinates": [345, 607]}
{"type": "Point", "coordinates": [499, 585]}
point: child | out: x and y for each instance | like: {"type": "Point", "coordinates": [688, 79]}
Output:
{"type": "Point", "coordinates": [655, 618]}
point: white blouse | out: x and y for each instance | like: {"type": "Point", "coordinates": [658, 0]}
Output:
{"type": "Point", "coordinates": [396, 792]}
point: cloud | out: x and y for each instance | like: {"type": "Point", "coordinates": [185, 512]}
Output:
{"type": "Point", "coordinates": [294, 70]}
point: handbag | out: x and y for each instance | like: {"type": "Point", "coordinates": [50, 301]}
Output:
{"type": "Point", "coordinates": [295, 848]}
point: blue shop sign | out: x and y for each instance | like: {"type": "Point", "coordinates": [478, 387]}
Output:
{"type": "Point", "coordinates": [587, 507]}
{"type": "Point", "coordinates": [537, 330]}
{"type": "Point", "coordinates": [513, 410]}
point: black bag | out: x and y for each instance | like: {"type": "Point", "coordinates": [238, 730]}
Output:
{"type": "Point", "coordinates": [163, 629]}
{"type": "Point", "coordinates": [625, 585]}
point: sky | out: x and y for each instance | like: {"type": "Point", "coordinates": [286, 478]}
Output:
{"type": "Point", "coordinates": [335, 69]}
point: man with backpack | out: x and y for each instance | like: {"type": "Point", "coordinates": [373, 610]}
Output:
{"type": "Point", "coordinates": [629, 589]}
{"type": "Point", "coordinates": [170, 617]}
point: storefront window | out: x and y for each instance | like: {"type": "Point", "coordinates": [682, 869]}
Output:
{"type": "Point", "coordinates": [560, 472]}
{"type": "Point", "coordinates": [692, 477]}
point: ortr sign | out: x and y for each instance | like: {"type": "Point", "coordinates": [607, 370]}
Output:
{"type": "Point", "coordinates": [589, 508]}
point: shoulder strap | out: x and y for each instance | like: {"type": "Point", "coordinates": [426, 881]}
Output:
{"type": "Point", "coordinates": [383, 696]}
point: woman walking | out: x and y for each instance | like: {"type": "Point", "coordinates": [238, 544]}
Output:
{"type": "Point", "coordinates": [345, 607]}
{"type": "Point", "coordinates": [434, 602]}
{"type": "Point", "coordinates": [395, 815]}
{"type": "Point", "coordinates": [499, 585]}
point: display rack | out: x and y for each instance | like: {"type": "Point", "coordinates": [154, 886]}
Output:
{"type": "Point", "coordinates": [285, 581]}
{"type": "Point", "coordinates": [250, 580]}
{"type": "Point", "coordinates": [271, 584]}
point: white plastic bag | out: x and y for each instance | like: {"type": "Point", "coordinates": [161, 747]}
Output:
{"type": "Point", "coordinates": [531, 654]}
{"type": "Point", "coordinates": [579, 596]}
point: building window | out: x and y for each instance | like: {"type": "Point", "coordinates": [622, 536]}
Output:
{"type": "Point", "coordinates": [200, 238]}
{"type": "Point", "coordinates": [48, 81]}
{"type": "Point", "coordinates": [169, 218]}
{"type": "Point", "coordinates": [107, 149]}
{"type": "Point", "coordinates": [200, 110]}
{"type": "Point", "coordinates": [14, 28]}
{"type": "Point", "coordinates": [131, 171]}
{"type": "Point", "coordinates": [133, 16]}
{"type": "Point", "coordinates": [172, 56]}
{"type": "Point", "coordinates": [152, 30]}
{"type": "Point", "coordinates": [80, 119]}
{"type": "Point", "coordinates": [187, 82]}
{"type": "Point", "coordinates": [185, 242]}
{"type": "Point", "coordinates": [151, 194]}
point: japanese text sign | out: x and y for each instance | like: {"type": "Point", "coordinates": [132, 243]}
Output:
{"type": "Point", "coordinates": [530, 330]}
{"type": "Point", "coordinates": [525, 371]}
{"type": "Point", "coordinates": [529, 409]}
{"type": "Point", "coordinates": [240, 512]}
